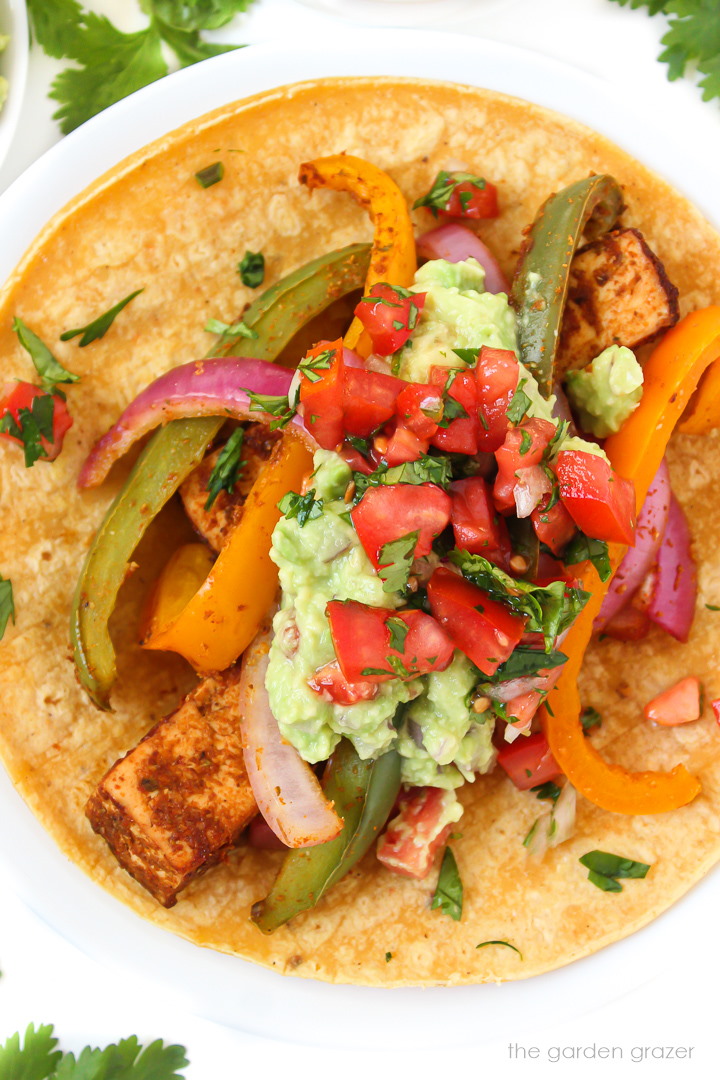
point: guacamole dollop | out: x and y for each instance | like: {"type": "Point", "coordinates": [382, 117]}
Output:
{"type": "Point", "coordinates": [607, 391]}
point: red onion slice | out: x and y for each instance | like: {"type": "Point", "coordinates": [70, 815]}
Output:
{"type": "Point", "coordinates": [286, 789]}
{"type": "Point", "coordinates": [455, 243]}
{"type": "Point", "coordinates": [651, 525]}
{"type": "Point", "coordinates": [672, 605]}
{"type": "Point", "coordinates": [215, 387]}
{"type": "Point", "coordinates": [533, 483]}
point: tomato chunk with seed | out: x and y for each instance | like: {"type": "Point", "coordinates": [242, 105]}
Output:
{"type": "Point", "coordinates": [554, 526]}
{"type": "Point", "coordinates": [477, 526]}
{"type": "Point", "coordinates": [330, 683]}
{"type": "Point", "coordinates": [497, 373]}
{"type": "Point", "coordinates": [523, 447]}
{"type": "Point", "coordinates": [487, 632]}
{"type": "Point", "coordinates": [369, 400]}
{"type": "Point", "coordinates": [390, 511]}
{"type": "Point", "coordinates": [321, 393]}
{"type": "Point", "coordinates": [414, 836]}
{"type": "Point", "coordinates": [16, 401]}
{"type": "Point", "coordinates": [681, 704]}
{"type": "Point", "coordinates": [376, 644]}
{"type": "Point", "coordinates": [458, 433]}
{"type": "Point", "coordinates": [600, 502]}
{"type": "Point", "coordinates": [389, 315]}
{"type": "Point", "coordinates": [420, 408]}
{"type": "Point", "coordinates": [529, 761]}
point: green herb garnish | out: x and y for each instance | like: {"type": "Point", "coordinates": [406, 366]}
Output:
{"type": "Point", "coordinates": [100, 326]}
{"type": "Point", "coordinates": [251, 269]}
{"type": "Point", "coordinates": [582, 548]}
{"type": "Point", "coordinates": [227, 469]}
{"type": "Point", "coordinates": [444, 184]}
{"type": "Point", "coordinates": [31, 427]}
{"type": "Point", "coordinates": [398, 632]}
{"type": "Point", "coordinates": [311, 366]}
{"type": "Point", "coordinates": [303, 507]}
{"type": "Point", "coordinates": [7, 604]}
{"type": "Point", "coordinates": [48, 367]}
{"type": "Point", "coordinates": [395, 560]}
{"type": "Point", "coordinates": [605, 869]}
{"type": "Point", "coordinates": [590, 718]}
{"type": "Point", "coordinates": [449, 891]}
{"type": "Point", "coordinates": [229, 332]}
{"type": "Point", "coordinates": [548, 790]}
{"type": "Point", "coordinates": [275, 405]}
{"type": "Point", "coordinates": [211, 174]}
{"type": "Point", "coordinates": [38, 1058]}
{"type": "Point", "coordinates": [519, 404]}
{"type": "Point", "coordinates": [505, 943]}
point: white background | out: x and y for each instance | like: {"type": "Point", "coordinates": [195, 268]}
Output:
{"type": "Point", "coordinates": [46, 980]}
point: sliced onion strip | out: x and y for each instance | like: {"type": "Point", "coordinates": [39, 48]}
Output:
{"type": "Point", "coordinates": [455, 243]}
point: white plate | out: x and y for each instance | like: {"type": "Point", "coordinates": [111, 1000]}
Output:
{"type": "Point", "coordinates": [13, 67]}
{"type": "Point", "coordinates": [210, 984]}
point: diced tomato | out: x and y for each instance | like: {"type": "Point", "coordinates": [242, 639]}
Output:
{"type": "Point", "coordinates": [330, 682]}
{"type": "Point", "coordinates": [476, 523]}
{"type": "Point", "coordinates": [361, 639]}
{"type": "Point", "coordinates": [20, 395]}
{"type": "Point", "coordinates": [681, 704]}
{"type": "Point", "coordinates": [497, 373]}
{"type": "Point", "coordinates": [321, 392]}
{"type": "Point", "coordinates": [487, 632]}
{"type": "Point", "coordinates": [369, 399]}
{"type": "Point", "coordinates": [523, 446]}
{"type": "Point", "coordinates": [554, 526]}
{"type": "Point", "coordinates": [261, 836]}
{"type": "Point", "coordinates": [461, 435]}
{"type": "Point", "coordinates": [420, 408]}
{"type": "Point", "coordinates": [403, 445]}
{"type": "Point", "coordinates": [389, 315]}
{"type": "Point", "coordinates": [355, 459]}
{"type": "Point", "coordinates": [387, 512]}
{"type": "Point", "coordinates": [414, 836]}
{"type": "Point", "coordinates": [628, 624]}
{"type": "Point", "coordinates": [600, 502]}
{"type": "Point", "coordinates": [522, 708]}
{"type": "Point", "coordinates": [529, 761]}
{"type": "Point", "coordinates": [475, 199]}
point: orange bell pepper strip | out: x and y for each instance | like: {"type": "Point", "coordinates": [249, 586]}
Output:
{"type": "Point", "coordinates": [670, 377]}
{"type": "Point", "coordinates": [220, 620]}
{"type": "Point", "coordinates": [392, 258]}
{"type": "Point", "coordinates": [182, 576]}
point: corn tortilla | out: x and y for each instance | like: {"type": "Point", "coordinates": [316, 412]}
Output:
{"type": "Point", "coordinates": [149, 224]}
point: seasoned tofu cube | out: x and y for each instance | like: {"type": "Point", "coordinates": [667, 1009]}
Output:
{"type": "Point", "coordinates": [216, 524]}
{"type": "Point", "coordinates": [618, 294]}
{"type": "Point", "coordinates": [172, 806]}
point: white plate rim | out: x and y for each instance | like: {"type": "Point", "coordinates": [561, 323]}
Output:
{"type": "Point", "coordinates": [14, 66]}
{"type": "Point", "coordinates": [209, 984]}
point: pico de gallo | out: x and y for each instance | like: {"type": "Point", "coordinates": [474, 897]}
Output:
{"type": "Point", "coordinates": [443, 522]}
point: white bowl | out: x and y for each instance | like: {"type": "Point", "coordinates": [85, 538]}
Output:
{"type": "Point", "coordinates": [13, 67]}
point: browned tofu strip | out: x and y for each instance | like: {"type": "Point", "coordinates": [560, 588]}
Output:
{"type": "Point", "coordinates": [172, 806]}
{"type": "Point", "coordinates": [216, 524]}
{"type": "Point", "coordinates": [619, 294]}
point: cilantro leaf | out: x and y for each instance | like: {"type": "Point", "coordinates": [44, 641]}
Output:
{"type": "Point", "coordinates": [525, 661]}
{"type": "Point", "coordinates": [189, 47]}
{"type": "Point", "coordinates": [399, 630]}
{"type": "Point", "coordinates": [548, 790]}
{"type": "Point", "coordinates": [550, 608]}
{"type": "Point", "coordinates": [229, 333]}
{"type": "Point", "coordinates": [582, 548]}
{"type": "Point", "coordinates": [7, 604]}
{"type": "Point", "coordinates": [607, 884]}
{"type": "Point", "coordinates": [111, 66]}
{"type": "Point", "coordinates": [519, 404]}
{"type": "Point", "coordinates": [322, 361]}
{"type": "Point", "coordinates": [100, 326]}
{"type": "Point", "coordinates": [227, 468]}
{"type": "Point", "coordinates": [48, 367]}
{"type": "Point", "coordinates": [252, 269]}
{"type": "Point", "coordinates": [449, 891]}
{"type": "Point", "coordinates": [36, 1059]}
{"type": "Point", "coordinates": [395, 560]}
{"type": "Point", "coordinates": [198, 15]}
{"type": "Point", "coordinates": [273, 404]}
{"type": "Point", "coordinates": [590, 718]}
{"type": "Point", "coordinates": [210, 175]}
{"type": "Point", "coordinates": [54, 24]}
{"type": "Point", "coordinates": [31, 427]}
{"type": "Point", "coordinates": [617, 866]}
{"type": "Point", "coordinates": [303, 507]}
{"type": "Point", "coordinates": [444, 184]}
{"type": "Point", "coordinates": [505, 943]}
{"type": "Point", "coordinates": [426, 470]}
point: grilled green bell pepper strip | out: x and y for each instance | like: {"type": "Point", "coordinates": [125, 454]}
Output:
{"type": "Point", "coordinates": [175, 450]}
{"type": "Point", "coordinates": [363, 793]}
{"type": "Point", "coordinates": [589, 207]}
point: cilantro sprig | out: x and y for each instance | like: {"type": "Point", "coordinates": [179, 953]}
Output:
{"type": "Point", "coordinates": [449, 891]}
{"type": "Point", "coordinates": [426, 470]}
{"type": "Point", "coordinates": [302, 507]}
{"type": "Point", "coordinates": [100, 326]}
{"type": "Point", "coordinates": [693, 39]}
{"type": "Point", "coordinates": [31, 427]}
{"type": "Point", "coordinates": [110, 64]}
{"type": "Point", "coordinates": [47, 365]}
{"type": "Point", "coordinates": [444, 184]}
{"type": "Point", "coordinates": [227, 468]}
{"type": "Point", "coordinates": [396, 558]}
{"type": "Point", "coordinates": [37, 1057]}
{"type": "Point", "coordinates": [605, 869]}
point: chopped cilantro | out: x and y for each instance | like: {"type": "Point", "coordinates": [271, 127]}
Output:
{"type": "Point", "coordinates": [38, 1058]}
{"type": "Point", "coordinates": [519, 405]}
{"type": "Point", "coordinates": [505, 943]}
{"type": "Point", "coordinates": [275, 405]}
{"type": "Point", "coordinates": [607, 884]}
{"type": "Point", "coordinates": [398, 632]}
{"type": "Point", "coordinates": [310, 366]}
{"type": "Point", "coordinates": [524, 661]}
{"type": "Point", "coordinates": [227, 468]}
{"type": "Point", "coordinates": [590, 718]}
{"type": "Point", "coordinates": [525, 441]}
{"type": "Point", "coordinates": [614, 866]}
{"type": "Point", "coordinates": [468, 356]}
{"type": "Point", "coordinates": [100, 326]}
{"type": "Point", "coordinates": [211, 174]}
{"type": "Point", "coordinates": [388, 957]}
{"type": "Point", "coordinates": [395, 560]}
{"type": "Point", "coordinates": [361, 445]}
{"type": "Point", "coordinates": [229, 332]}
{"type": "Point", "coordinates": [426, 470]}
{"type": "Point", "coordinates": [713, 607]}
{"type": "Point", "coordinates": [444, 184]}
{"type": "Point", "coordinates": [252, 269]}
{"type": "Point", "coordinates": [48, 367]}
{"type": "Point", "coordinates": [449, 891]}
{"type": "Point", "coordinates": [303, 507]}
{"type": "Point", "coordinates": [31, 427]}
{"type": "Point", "coordinates": [7, 604]}
{"type": "Point", "coordinates": [582, 548]}
{"type": "Point", "coordinates": [548, 790]}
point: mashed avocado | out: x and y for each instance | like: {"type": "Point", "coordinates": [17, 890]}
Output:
{"type": "Point", "coordinates": [607, 391]}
